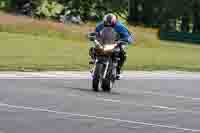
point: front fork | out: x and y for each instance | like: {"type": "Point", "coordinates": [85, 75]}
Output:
{"type": "Point", "coordinates": [105, 70]}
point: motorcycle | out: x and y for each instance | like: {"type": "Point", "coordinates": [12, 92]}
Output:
{"type": "Point", "coordinates": [104, 71]}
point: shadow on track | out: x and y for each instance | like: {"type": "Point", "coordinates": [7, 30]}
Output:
{"type": "Point", "coordinates": [89, 90]}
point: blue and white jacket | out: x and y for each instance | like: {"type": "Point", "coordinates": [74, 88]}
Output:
{"type": "Point", "coordinates": [120, 29]}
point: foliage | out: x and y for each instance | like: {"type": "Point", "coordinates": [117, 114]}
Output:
{"type": "Point", "coordinates": [49, 9]}
{"type": "Point", "coordinates": [154, 13]}
{"type": "Point", "coordinates": [4, 4]}
{"type": "Point", "coordinates": [172, 15]}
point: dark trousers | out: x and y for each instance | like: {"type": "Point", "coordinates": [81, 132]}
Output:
{"type": "Point", "coordinates": [123, 57]}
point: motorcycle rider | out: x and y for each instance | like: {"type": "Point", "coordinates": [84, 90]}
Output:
{"type": "Point", "coordinates": [110, 20]}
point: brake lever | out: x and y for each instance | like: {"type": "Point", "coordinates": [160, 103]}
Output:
{"type": "Point", "coordinates": [122, 42]}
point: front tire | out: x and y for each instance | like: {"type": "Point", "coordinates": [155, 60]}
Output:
{"type": "Point", "coordinates": [106, 85]}
{"type": "Point", "coordinates": [97, 77]}
{"type": "Point", "coordinates": [108, 82]}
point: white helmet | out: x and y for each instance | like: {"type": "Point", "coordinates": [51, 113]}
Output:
{"type": "Point", "coordinates": [110, 20]}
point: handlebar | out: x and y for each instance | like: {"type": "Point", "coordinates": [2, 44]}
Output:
{"type": "Point", "coordinates": [122, 42]}
{"type": "Point", "coordinates": [93, 37]}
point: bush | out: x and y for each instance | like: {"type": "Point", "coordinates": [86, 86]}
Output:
{"type": "Point", "coordinates": [49, 9]}
{"type": "Point", "coordinates": [5, 4]}
{"type": "Point", "coordinates": [52, 9]}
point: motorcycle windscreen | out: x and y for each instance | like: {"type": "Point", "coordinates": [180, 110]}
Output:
{"type": "Point", "coordinates": [107, 36]}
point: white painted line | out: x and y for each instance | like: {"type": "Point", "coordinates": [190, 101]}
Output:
{"type": "Point", "coordinates": [135, 104]}
{"type": "Point", "coordinates": [122, 102]}
{"type": "Point", "coordinates": [87, 75]}
{"type": "Point", "coordinates": [108, 100]}
{"type": "Point", "coordinates": [44, 78]}
{"type": "Point", "coordinates": [141, 105]}
{"type": "Point", "coordinates": [129, 127]}
{"type": "Point", "coordinates": [164, 107]}
{"type": "Point", "coordinates": [165, 95]}
{"type": "Point", "coordinates": [98, 117]}
{"type": "Point", "coordinates": [73, 95]}
{"type": "Point", "coordinates": [171, 95]}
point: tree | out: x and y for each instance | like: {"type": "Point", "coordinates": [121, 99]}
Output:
{"type": "Point", "coordinates": [196, 16]}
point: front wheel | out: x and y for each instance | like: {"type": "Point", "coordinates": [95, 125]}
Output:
{"type": "Point", "coordinates": [106, 85]}
{"type": "Point", "coordinates": [108, 82]}
{"type": "Point", "coordinates": [97, 77]}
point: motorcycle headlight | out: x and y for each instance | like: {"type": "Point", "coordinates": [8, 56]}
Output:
{"type": "Point", "coordinates": [109, 47]}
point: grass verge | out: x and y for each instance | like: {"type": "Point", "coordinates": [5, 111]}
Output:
{"type": "Point", "coordinates": [19, 52]}
{"type": "Point", "coordinates": [32, 45]}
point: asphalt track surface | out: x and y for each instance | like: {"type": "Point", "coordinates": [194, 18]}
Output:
{"type": "Point", "coordinates": [59, 102]}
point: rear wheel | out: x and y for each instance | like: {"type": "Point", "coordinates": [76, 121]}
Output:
{"type": "Point", "coordinates": [97, 77]}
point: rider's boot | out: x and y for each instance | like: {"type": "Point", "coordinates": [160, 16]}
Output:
{"type": "Point", "coordinates": [121, 63]}
{"type": "Point", "coordinates": [118, 73]}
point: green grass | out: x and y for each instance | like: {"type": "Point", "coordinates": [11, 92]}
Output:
{"type": "Point", "coordinates": [164, 57]}
{"type": "Point", "coordinates": [31, 53]}
{"type": "Point", "coordinates": [42, 31]}
{"type": "Point", "coordinates": [32, 45]}
{"type": "Point", "coordinates": [20, 52]}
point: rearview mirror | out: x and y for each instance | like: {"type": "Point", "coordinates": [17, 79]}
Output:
{"type": "Point", "coordinates": [92, 36]}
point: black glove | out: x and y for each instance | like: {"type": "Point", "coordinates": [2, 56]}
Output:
{"type": "Point", "coordinates": [92, 36]}
{"type": "Point", "coordinates": [121, 43]}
